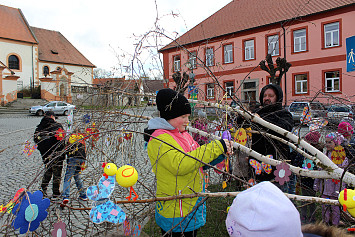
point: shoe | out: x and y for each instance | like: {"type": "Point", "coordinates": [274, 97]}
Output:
{"type": "Point", "coordinates": [65, 200]}
{"type": "Point", "coordinates": [84, 198]}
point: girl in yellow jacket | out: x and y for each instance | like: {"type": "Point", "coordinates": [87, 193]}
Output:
{"type": "Point", "coordinates": [176, 173]}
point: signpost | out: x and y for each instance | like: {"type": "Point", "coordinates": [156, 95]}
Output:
{"type": "Point", "coordinates": [350, 54]}
{"type": "Point", "coordinates": [192, 91]}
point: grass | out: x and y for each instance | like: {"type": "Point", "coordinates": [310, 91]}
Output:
{"type": "Point", "coordinates": [216, 215]}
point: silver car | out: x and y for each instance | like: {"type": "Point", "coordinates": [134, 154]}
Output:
{"type": "Point", "coordinates": [58, 107]}
{"type": "Point", "coordinates": [337, 112]}
{"type": "Point", "coordinates": [317, 110]}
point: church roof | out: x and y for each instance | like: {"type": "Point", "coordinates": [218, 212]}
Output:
{"type": "Point", "coordinates": [54, 47]}
{"type": "Point", "coordinates": [14, 25]}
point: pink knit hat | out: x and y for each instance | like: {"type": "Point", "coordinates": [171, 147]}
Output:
{"type": "Point", "coordinates": [345, 129]}
{"type": "Point", "coordinates": [312, 137]}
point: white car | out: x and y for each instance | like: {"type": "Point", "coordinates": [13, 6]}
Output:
{"type": "Point", "coordinates": [337, 112]}
{"type": "Point", "coordinates": [58, 107]}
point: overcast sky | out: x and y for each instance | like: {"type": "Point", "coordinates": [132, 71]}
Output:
{"type": "Point", "coordinates": [98, 28]}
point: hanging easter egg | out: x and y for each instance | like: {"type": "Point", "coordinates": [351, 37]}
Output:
{"type": "Point", "coordinates": [338, 155]}
{"type": "Point", "coordinates": [75, 137]}
{"type": "Point", "coordinates": [240, 136]}
{"type": "Point", "coordinates": [59, 229]}
{"type": "Point", "coordinates": [126, 176]}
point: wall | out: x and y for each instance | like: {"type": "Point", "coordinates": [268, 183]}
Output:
{"type": "Point", "coordinates": [82, 75]}
{"type": "Point", "coordinates": [313, 62]}
{"type": "Point", "coordinates": [24, 52]}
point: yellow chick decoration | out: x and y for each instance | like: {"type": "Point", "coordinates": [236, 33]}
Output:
{"type": "Point", "coordinates": [346, 199]}
{"type": "Point", "coordinates": [110, 169]}
{"type": "Point", "coordinates": [127, 176]}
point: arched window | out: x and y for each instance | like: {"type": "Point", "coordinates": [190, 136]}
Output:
{"type": "Point", "coordinates": [14, 62]}
{"type": "Point", "coordinates": [45, 71]}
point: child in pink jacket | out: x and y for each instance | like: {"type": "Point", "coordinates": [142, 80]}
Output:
{"type": "Point", "coordinates": [330, 187]}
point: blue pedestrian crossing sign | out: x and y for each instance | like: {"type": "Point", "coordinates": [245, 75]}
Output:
{"type": "Point", "coordinates": [350, 54]}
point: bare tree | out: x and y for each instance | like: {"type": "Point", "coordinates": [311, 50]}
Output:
{"type": "Point", "coordinates": [282, 67]}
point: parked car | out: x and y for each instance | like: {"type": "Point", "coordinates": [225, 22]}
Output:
{"type": "Point", "coordinates": [210, 111]}
{"type": "Point", "coordinates": [317, 110]}
{"type": "Point", "coordinates": [58, 107]}
{"type": "Point", "coordinates": [337, 112]}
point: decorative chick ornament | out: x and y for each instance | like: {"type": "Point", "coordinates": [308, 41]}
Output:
{"type": "Point", "coordinates": [347, 200]}
{"type": "Point", "coordinates": [110, 169]}
{"type": "Point", "coordinates": [127, 176]}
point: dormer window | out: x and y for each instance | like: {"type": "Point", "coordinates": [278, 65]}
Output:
{"type": "Point", "coordinates": [54, 51]}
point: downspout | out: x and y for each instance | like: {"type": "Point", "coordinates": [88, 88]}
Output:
{"type": "Point", "coordinates": [33, 75]}
{"type": "Point", "coordinates": [284, 34]}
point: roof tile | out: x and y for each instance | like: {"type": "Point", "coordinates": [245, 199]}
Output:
{"type": "Point", "coordinates": [240, 15]}
{"type": "Point", "coordinates": [54, 47]}
{"type": "Point", "coordinates": [14, 26]}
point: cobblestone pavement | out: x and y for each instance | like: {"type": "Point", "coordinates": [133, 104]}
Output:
{"type": "Point", "coordinates": [20, 171]}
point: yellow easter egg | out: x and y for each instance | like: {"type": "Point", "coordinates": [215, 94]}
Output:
{"type": "Point", "coordinates": [110, 169]}
{"type": "Point", "coordinates": [228, 209]}
{"type": "Point", "coordinates": [126, 176]}
{"type": "Point", "coordinates": [240, 136]}
{"type": "Point", "coordinates": [72, 138]}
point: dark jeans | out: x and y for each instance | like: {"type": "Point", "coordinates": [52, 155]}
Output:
{"type": "Point", "coordinates": [52, 169]}
{"type": "Point", "coordinates": [180, 234]}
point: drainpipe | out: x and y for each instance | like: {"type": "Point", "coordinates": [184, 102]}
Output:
{"type": "Point", "coordinates": [33, 75]}
{"type": "Point", "coordinates": [284, 33]}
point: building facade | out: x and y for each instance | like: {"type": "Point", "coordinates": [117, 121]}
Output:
{"type": "Point", "coordinates": [224, 51]}
{"type": "Point", "coordinates": [31, 57]}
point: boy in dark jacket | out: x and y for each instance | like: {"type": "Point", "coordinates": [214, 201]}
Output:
{"type": "Point", "coordinates": [48, 136]}
{"type": "Point", "coordinates": [76, 156]}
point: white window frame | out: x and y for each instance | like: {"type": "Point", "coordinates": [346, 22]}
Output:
{"type": "Point", "coordinates": [249, 52]}
{"type": "Point", "coordinates": [193, 59]}
{"type": "Point", "coordinates": [229, 89]}
{"type": "Point", "coordinates": [209, 57]}
{"type": "Point", "coordinates": [332, 80]}
{"type": "Point", "coordinates": [300, 41]}
{"type": "Point", "coordinates": [273, 45]}
{"type": "Point", "coordinates": [300, 84]}
{"type": "Point", "coordinates": [332, 35]}
{"type": "Point", "coordinates": [177, 63]}
{"type": "Point", "coordinates": [228, 53]}
{"type": "Point", "coordinates": [210, 91]}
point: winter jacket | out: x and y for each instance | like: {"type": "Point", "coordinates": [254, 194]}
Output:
{"type": "Point", "coordinates": [331, 186]}
{"type": "Point", "coordinates": [48, 145]}
{"type": "Point", "coordinates": [76, 150]}
{"type": "Point", "coordinates": [276, 115]}
{"type": "Point", "coordinates": [177, 174]}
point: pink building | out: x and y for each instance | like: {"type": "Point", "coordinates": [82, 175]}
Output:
{"type": "Point", "coordinates": [228, 46]}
